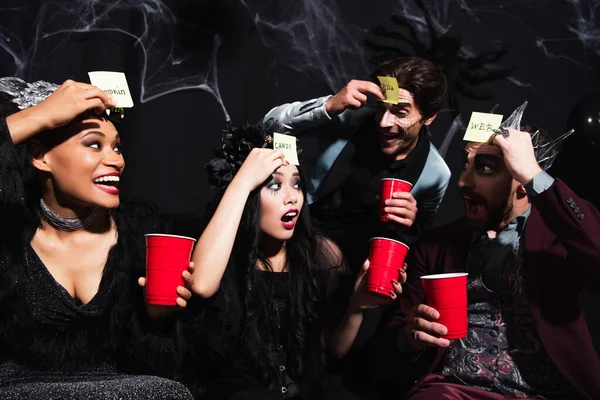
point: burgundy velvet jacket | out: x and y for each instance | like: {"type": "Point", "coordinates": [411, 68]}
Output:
{"type": "Point", "coordinates": [561, 257]}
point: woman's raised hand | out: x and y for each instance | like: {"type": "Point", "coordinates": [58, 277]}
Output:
{"type": "Point", "coordinates": [362, 299]}
{"type": "Point", "coordinates": [70, 100]}
{"type": "Point", "coordinates": [258, 166]}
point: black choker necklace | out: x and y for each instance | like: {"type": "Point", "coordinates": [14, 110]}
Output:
{"type": "Point", "coordinates": [68, 224]}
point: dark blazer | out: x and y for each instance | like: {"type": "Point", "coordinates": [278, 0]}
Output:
{"type": "Point", "coordinates": [561, 258]}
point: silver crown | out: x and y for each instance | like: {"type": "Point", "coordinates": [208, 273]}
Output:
{"type": "Point", "coordinates": [545, 153]}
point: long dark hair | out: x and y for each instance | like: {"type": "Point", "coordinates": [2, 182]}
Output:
{"type": "Point", "coordinates": [301, 254]}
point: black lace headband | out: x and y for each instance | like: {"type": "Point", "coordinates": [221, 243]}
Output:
{"type": "Point", "coordinates": [236, 144]}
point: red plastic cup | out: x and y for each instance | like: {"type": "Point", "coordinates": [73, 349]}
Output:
{"type": "Point", "coordinates": [389, 186]}
{"type": "Point", "coordinates": [386, 258]}
{"type": "Point", "coordinates": [447, 293]}
{"type": "Point", "coordinates": [167, 256]}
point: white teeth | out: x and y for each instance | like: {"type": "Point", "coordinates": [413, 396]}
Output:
{"type": "Point", "coordinates": [107, 178]}
{"type": "Point", "coordinates": [291, 214]}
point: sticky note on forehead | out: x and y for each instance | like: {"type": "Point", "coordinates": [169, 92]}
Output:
{"type": "Point", "coordinates": [287, 144]}
{"type": "Point", "coordinates": [389, 85]}
{"type": "Point", "coordinates": [115, 84]}
{"type": "Point", "coordinates": [481, 126]}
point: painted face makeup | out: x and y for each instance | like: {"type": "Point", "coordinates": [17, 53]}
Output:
{"type": "Point", "coordinates": [281, 201]}
{"type": "Point", "coordinates": [403, 122]}
{"type": "Point", "coordinates": [399, 125]}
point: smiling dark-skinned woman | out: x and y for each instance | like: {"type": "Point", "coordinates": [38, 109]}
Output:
{"type": "Point", "coordinates": [73, 322]}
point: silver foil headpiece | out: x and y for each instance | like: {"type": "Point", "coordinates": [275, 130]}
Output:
{"type": "Point", "coordinates": [24, 94]}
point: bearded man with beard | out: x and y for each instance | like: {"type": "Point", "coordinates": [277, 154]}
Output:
{"type": "Point", "coordinates": [530, 245]}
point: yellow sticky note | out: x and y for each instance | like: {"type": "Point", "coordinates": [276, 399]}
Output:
{"type": "Point", "coordinates": [481, 126]}
{"type": "Point", "coordinates": [115, 84]}
{"type": "Point", "coordinates": [287, 144]}
{"type": "Point", "coordinates": [389, 85]}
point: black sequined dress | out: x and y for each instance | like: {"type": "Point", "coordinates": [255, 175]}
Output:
{"type": "Point", "coordinates": [51, 345]}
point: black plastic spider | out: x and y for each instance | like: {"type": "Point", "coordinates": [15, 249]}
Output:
{"type": "Point", "coordinates": [444, 47]}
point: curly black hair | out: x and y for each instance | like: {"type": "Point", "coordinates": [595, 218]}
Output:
{"type": "Point", "coordinates": [236, 144]}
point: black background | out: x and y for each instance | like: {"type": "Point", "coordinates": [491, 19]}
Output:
{"type": "Point", "coordinates": [194, 66]}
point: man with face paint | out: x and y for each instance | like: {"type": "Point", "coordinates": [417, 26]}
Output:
{"type": "Point", "coordinates": [357, 145]}
{"type": "Point", "coordinates": [530, 246]}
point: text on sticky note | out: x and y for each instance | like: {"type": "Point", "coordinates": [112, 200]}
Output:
{"type": "Point", "coordinates": [287, 144]}
{"type": "Point", "coordinates": [115, 84]}
{"type": "Point", "coordinates": [481, 126]}
{"type": "Point", "coordinates": [389, 85]}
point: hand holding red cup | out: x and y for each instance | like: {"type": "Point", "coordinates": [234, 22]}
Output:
{"type": "Point", "coordinates": [167, 257]}
{"type": "Point", "coordinates": [447, 294]}
{"type": "Point", "coordinates": [388, 187]}
{"type": "Point", "coordinates": [362, 299]}
{"type": "Point", "coordinates": [386, 258]}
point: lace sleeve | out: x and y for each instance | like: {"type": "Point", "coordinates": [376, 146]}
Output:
{"type": "Point", "coordinates": [14, 215]}
{"type": "Point", "coordinates": [337, 281]}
